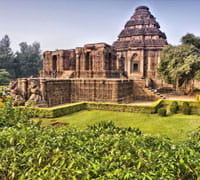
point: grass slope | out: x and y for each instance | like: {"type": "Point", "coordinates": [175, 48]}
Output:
{"type": "Point", "coordinates": [175, 127]}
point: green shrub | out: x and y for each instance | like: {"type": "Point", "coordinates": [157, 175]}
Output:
{"type": "Point", "coordinates": [162, 112]}
{"type": "Point", "coordinates": [186, 109]}
{"type": "Point", "coordinates": [71, 108]}
{"type": "Point", "coordinates": [198, 97]}
{"type": "Point", "coordinates": [196, 90]}
{"type": "Point", "coordinates": [101, 151]}
{"type": "Point", "coordinates": [1, 103]}
{"type": "Point", "coordinates": [158, 104]}
{"type": "Point", "coordinates": [173, 107]}
{"type": "Point", "coordinates": [121, 107]}
{"type": "Point", "coordinates": [10, 116]}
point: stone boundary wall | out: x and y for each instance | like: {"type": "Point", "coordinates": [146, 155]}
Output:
{"type": "Point", "coordinates": [63, 91]}
{"type": "Point", "coordinates": [76, 90]}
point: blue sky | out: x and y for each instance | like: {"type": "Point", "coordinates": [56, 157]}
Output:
{"type": "Point", "coordinates": [65, 24]}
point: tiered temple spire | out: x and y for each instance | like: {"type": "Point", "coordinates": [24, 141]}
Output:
{"type": "Point", "coordinates": [142, 30]}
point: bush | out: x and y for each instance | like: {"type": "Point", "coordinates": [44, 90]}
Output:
{"type": "Point", "coordinates": [1, 103]}
{"type": "Point", "coordinates": [10, 116]}
{"type": "Point", "coordinates": [71, 108]}
{"type": "Point", "coordinates": [198, 97]}
{"type": "Point", "coordinates": [186, 109]}
{"type": "Point", "coordinates": [173, 107]}
{"type": "Point", "coordinates": [196, 90]}
{"type": "Point", "coordinates": [162, 112]}
{"type": "Point", "coordinates": [121, 107]}
{"type": "Point", "coordinates": [101, 151]}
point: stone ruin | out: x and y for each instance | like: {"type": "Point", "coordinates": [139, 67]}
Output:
{"type": "Point", "coordinates": [100, 72]}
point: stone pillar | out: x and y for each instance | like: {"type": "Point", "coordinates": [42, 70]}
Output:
{"type": "Point", "coordinates": [77, 55]}
{"type": "Point", "coordinates": [24, 87]}
{"type": "Point", "coordinates": [43, 89]}
{"type": "Point", "coordinates": [142, 63]}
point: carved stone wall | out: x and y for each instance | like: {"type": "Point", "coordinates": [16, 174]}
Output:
{"type": "Point", "coordinates": [102, 90]}
{"type": "Point", "coordinates": [91, 61]}
{"type": "Point", "coordinates": [57, 63]}
{"type": "Point", "coordinates": [96, 61]}
{"type": "Point", "coordinates": [62, 91]}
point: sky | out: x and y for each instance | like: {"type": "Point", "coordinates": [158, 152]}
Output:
{"type": "Point", "coordinates": [67, 24]}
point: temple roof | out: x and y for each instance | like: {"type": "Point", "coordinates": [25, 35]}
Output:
{"type": "Point", "coordinates": [136, 30]}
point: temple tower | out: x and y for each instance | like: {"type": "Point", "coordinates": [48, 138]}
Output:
{"type": "Point", "coordinates": [140, 44]}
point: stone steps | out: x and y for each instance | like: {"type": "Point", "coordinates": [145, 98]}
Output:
{"type": "Point", "coordinates": [156, 92]}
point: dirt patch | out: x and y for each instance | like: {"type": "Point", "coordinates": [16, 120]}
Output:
{"type": "Point", "coordinates": [59, 124]}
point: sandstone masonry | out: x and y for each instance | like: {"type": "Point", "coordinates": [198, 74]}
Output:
{"type": "Point", "coordinates": [100, 72]}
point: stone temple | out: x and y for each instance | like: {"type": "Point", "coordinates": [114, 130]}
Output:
{"type": "Point", "coordinates": [140, 44]}
{"type": "Point", "coordinates": [100, 72]}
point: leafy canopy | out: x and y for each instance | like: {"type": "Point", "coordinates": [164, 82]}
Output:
{"type": "Point", "coordinates": [24, 63]}
{"type": "Point", "coordinates": [180, 64]}
{"type": "Point", "coordinates": [4, 77]}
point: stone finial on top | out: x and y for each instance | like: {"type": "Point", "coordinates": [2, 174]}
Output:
{"type": "Point", "coordinates": [142, 7]}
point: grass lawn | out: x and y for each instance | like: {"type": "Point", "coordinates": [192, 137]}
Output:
{"type": "Point", "coordinates": [175, 127]}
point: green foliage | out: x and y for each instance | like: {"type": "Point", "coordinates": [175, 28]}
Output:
{"type": "Point", "coordinates": [179, 64]}
{"type": "Point", "coordinates": [152, 124]}
{"type": "Point", "coordinates": [158, 104]}
{"type": "Point", "coordinates": [186, 109]}
{"type": "Point", "coordinates": [102, 151]}
{"type": "Point", "coordinates": [1, 103]}
{"type": "Point", "coordinates": [28, 60]}
{"type": "Point", "coordinates": [55, 111]}
{"type": "Point", "coordinates": [71, 108]}
{"type": "Point", "coordinates": [197, 75]}
{"type": "Point", "coordinates": [10, 116]}
{"type": "Point", "coordinates": [6, 55]}
{"type": "Point", "coordinates": [174, 107]}
{"type": "Point", "coordinates": [24, 63]}
{"type": "Point", "coordinates": [191, 39]}
{"type": "Point", "coordinates": [5, 77]}
{"type": "Point", "coordinates": [162, 112]}
{"type": "Point", "coordinates": [196, 90]}
{"type": "Point", "coordinates": [194, 105]}
{"type": "Point", "coordinates": [121, 107]}
{"type": "Point", "coordinates": [198, 97]}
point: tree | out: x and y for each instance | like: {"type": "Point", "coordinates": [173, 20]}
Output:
{"type": "Point", "coordinates": [179, 64]}
{"type": "Point", "coordinates": [6, 55]}
{"type": "Point", "coordinates": [191, 39]}
{"type": "Point", "coordinates": [197, 75]}
{"type": "Point", "coordinates": [4, 77]}
{"type": "Point", "coordinates": [28, 60]}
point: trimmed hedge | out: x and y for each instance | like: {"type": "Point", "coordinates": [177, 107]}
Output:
{"type": "Point", "coordinates": [125, 107]}
{"type": "Point", "coordinates": [162, 112]}
{"type": "Point", "coordinates": [71, 108]}
{"type": "Point", "coordinates": [56, 111]}
{"type": "Point", "coordinates": [194, 105]}
{"type": "Point", "coordinates": [186, 109]}
{"type": "Point", "coordinates": [121, 107]}
{"type": "Point", "coordinates": [198, 97]}
{"type": "Point", "coordinates": [174, 107]}
{"type": "Point", "coordinates": [1, 104]}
